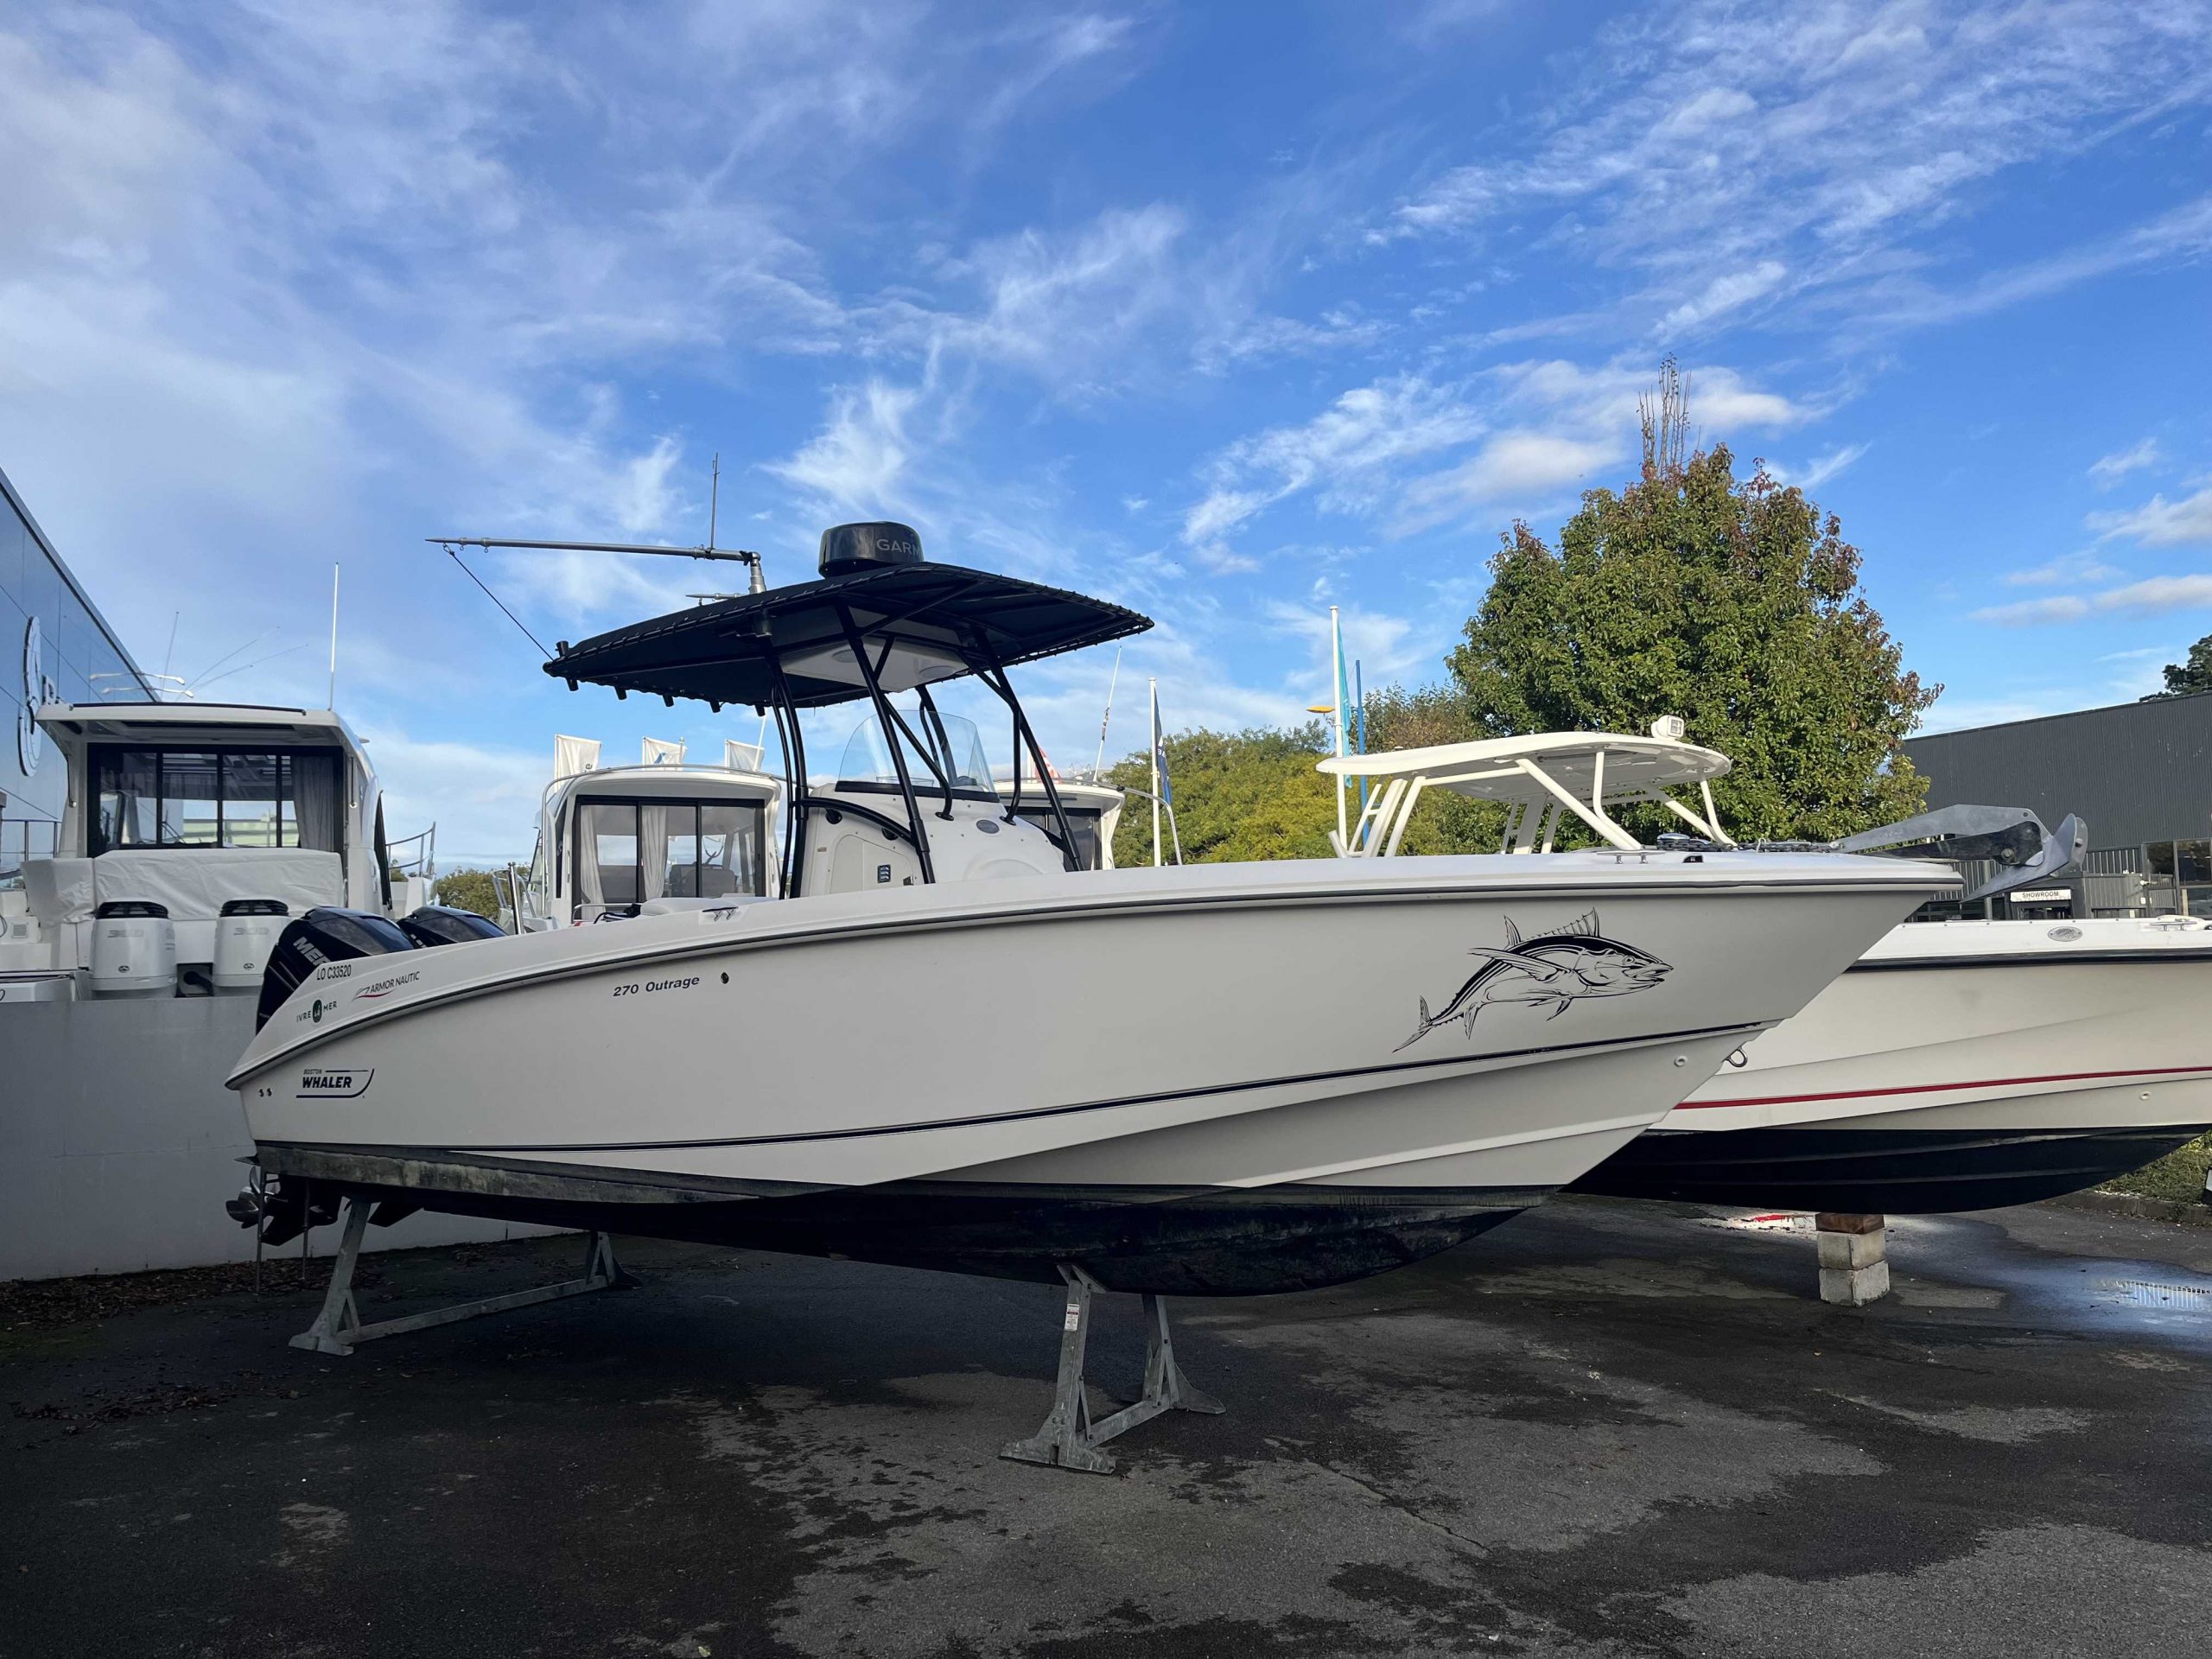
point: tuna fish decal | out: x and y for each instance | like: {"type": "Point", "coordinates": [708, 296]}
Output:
{"type": "Point", "coordinates": [1551, 969]}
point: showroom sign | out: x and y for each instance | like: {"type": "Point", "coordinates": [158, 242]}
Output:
{"type": "Point", "coordinates": [30, 741]}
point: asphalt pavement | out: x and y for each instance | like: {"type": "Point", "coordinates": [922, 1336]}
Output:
{"type": "Point", "coordinates": [1607, 1428]}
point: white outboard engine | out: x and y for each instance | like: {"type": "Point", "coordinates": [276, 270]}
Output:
{"type": "Point", "coordinates": [134, 950]}
{"type": "Point", "coordinates": [245, 932]}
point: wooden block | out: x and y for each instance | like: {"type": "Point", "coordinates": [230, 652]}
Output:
{"type": "Point", "coordinates": [1836, 1220]}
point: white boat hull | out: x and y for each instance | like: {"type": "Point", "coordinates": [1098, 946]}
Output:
{"type": "Point", "coordinates": [1185, 1080]}
{"type": "Point", "coordinates": [1960, 1065]}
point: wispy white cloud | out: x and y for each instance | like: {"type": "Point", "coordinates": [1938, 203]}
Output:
{"type": "Point", "coordinates": [2084, 566]}
{"type": "Point", "coordinates": [1898, 294]}
{"type": "Point", "coordinates": [1526, 467]}
{"type": "Point", "coordinates": [1821, 139]}
{"type": "Point", "coordinates": [1729, 292]}
{"type": "Point", "coordinates": [2161, 523]}
{"type": "Point", "coordinates": [2152, 596]}
{"type": "Point", "coordinates": [483, 797]}
{"type": "Point", "coordinates": [1349, 454]}
{"type": "Point", "coordinates": [1530, 429]}
{"type": "Point", "coordinates": [1340, 328]}
{"type": "Point", "coordinates": [2108, 470]}
{"type": "Point", "coordinates": [1817, 471]}
{"type": "Point", "coordinates": [1060, 305]}
{"type": "Point", "coordinates": [1387, 647]}
{"type": "Point", "coordinates": [854, 467]}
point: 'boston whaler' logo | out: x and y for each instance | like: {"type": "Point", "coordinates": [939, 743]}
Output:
{"type": "Point", "coordinates": [334, 1082]}
{"type": "Point", "coordinates": [1549, 970]}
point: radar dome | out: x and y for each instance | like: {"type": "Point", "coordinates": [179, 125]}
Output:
{"type": "Point", "coordinates": [849, 548]}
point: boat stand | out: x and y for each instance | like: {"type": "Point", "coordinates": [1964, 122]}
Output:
{"type": "Point", "coordinates": [1069, 1439]}
{"type": "Point", "coordinates": [338, 1327]}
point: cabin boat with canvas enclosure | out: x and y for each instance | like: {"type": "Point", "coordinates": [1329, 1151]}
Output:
{"type": "Point", "coordinates": [668, 832]}
{"type": "Point", "coordinates": [191, 829]}
{"type": "Point", "coordinates": [133, 946]}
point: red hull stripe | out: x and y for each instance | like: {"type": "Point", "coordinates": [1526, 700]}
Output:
{"type": "Point", "coordinates": [1944, 1088]}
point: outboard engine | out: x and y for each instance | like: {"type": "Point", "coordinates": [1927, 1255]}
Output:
{"type": "Point", "coordinates": [134, 948]}
{"type": "Point", "coordinates": [324, 934]}
{"type": "Point", "coordinates": [436, 924]}
{"type": "Point", "coordinates": [245, 931]}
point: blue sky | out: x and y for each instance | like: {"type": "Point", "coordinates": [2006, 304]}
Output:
{"type": "Point", "coordinates": [1230, 313]}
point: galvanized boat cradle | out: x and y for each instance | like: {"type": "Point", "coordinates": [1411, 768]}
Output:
{"type": "Point", "coordinates": [338, 1327]}
{"type": "Point", "coordinates": [1069, 1439]}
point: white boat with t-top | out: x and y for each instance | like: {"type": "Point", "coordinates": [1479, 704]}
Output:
{"type": "Point", "coordinates": [1956, 1065]}
{"type": "Point", "coordinates": [948, 1045]}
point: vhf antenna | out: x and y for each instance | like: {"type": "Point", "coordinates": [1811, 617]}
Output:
{"type": "Point", "coordinates": [726, 555]}
{"type": "Point", "coordinates": [708, 550]}
{"type": "Point", "coordinates": [453, 544]}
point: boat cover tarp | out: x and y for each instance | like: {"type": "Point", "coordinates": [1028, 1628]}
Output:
{"type": "Point", "coordinates": [921, 622]}
{"type": "Point", "coordinates": [192, 883]}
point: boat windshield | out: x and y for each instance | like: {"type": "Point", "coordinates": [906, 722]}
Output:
{"type": "Point", "coordinates": [954, 750]}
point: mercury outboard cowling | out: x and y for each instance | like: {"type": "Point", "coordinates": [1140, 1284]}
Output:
{"type": "Point", "coordinates": [324, 934]}
{"type": "Point", "coordinates": [435, 924]}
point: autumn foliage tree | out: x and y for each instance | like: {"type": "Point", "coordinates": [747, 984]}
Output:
{"type": "Point", "coordinates": [1736, 605]}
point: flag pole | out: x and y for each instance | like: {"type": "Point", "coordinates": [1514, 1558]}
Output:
{"type": "Point", "coordinates": [333, 693]}
{"type": "Point", "coordinates": [1359, 726]}
{"type": "Point", "coordinates": [1098, 767]}
{"type": "Point", "coordinates": [1154, 684]}
{"type": "Point", "coordinates": [1336, 696]}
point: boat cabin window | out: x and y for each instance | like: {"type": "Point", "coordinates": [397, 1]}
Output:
{"type": "Point", "coordinates": [1083, 826]}
{"type": "Point", "coordinates": [957, 751]}
{"type": "Point", "coordinates": [629, 852]}
{"type": "Point", "coordinates": [214, 797]}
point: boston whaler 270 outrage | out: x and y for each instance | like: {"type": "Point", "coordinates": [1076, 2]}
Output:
{"type": "Point", "coordinates": [944, 1047]}
{"type": "Point", "coordinates": [1958, 1065]}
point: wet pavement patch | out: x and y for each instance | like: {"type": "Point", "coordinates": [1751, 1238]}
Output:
{"type": "Point", "coordinates": [1606, 1429]}
{"type": "Point", "coordinates": [2137, 1293]}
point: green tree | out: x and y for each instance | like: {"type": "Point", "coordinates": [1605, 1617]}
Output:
{"type": "Point", "coordinates": [1246, 795]}
{"type": "Point", "coordinates": [2189, 676]}
{"type": "Point", "coordinates": [1735, 605]}
{"type": "Point", "coordinates": [467, 890]}
{"type": "Point", "coordinates": [1420, 718]}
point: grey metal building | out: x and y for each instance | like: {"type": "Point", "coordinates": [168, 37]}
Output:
{"type": "Point", "coordinates": [2139, 774]}
{"type": "Point", "coordinates": [55, 647]}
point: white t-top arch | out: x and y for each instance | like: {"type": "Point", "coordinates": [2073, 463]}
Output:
{"type": "Point", "coordinates": [1538, 779]}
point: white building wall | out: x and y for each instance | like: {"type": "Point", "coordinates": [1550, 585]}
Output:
{"type": "Point", "coordinates": [118, 1143]}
